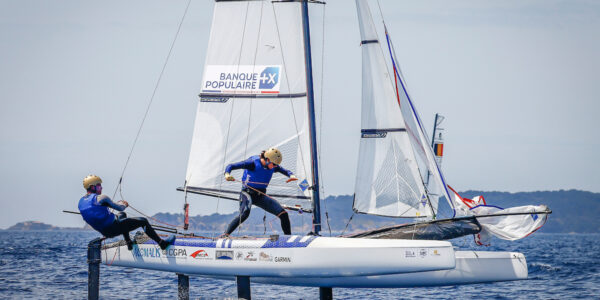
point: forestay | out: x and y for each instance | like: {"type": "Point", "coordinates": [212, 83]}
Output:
{"type": "Point", "coordinates": [253, 96]}
{"type": "Point", "coordinates": [388, 182]}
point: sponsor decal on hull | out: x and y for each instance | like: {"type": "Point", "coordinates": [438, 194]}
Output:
{"type": "Point", "coordinates": [410, 253]}
{"type": "Point", "coordinates": [283, 259]}
{"type": "Point", "coordinates": [250, 256]}
{"type": "Point", "coordinates": [152, 252]}
{"type": "Point", "coordinates": [422, 252]}
{"type": "Point", "coordinates": [246, 255]}
{"type": "Point", "coordinates": [200, 254]}
{"type": "Point", "coordinates": [174, 252]}
{"type": "Point", "coordinates": [224, 255]}
{"type": "Point", "coordinates": [155, 252]}
{"type": "Point", "coordinates": [262, 256]}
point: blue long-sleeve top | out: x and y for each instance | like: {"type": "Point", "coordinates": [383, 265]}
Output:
{"type": "Point", "coordinates": [255, 174]}
{"type": "Point", "coordinates": [106, 201]}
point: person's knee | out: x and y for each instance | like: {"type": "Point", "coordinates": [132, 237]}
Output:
{"type": "Point", "coordinates": [245, 214]}
{"type": "Point", "coordinates": [121, 215]}
{"type": "Point", "coordinates": [283, 215]}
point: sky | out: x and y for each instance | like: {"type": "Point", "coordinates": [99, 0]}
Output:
{"type": "Point", "coordinates": [516, 80]}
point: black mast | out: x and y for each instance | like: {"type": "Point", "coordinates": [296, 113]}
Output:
{"type": "Point", "coordinates": [311, 118]}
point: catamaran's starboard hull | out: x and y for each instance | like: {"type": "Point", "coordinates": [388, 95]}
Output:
{"type": "Point", "coordinates": [471, 267]}
{"type": "Point", "coordinates": [285, 256]}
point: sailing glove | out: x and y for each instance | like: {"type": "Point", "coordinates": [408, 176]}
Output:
{"type": "Point", "coordinates": [228, 177]}
{"type": "Point", "coordinates": [292, 178]}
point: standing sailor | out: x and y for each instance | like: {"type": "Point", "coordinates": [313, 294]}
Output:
{"type": "Point", "coordinates": [258, 171]}
{"type": "Point", "coordinates": [94, 210]}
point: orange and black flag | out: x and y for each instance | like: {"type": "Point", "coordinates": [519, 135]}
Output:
{"type": "Point", "coordinates": [438, 149]}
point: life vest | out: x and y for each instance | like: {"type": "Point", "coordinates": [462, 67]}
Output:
{"type": "Point", "coordinates": [258, 178]}
{"type": "Point", "coordinates": [98, 216]}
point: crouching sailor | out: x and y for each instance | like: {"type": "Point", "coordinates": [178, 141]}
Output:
{"type": "Point", "coordinates": [258, 171]}
{"type": "Point", "coordinates": [94, 210]}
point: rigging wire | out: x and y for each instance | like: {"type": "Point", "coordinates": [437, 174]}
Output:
{"type": "Point", "coordinates": [232, 107]}
{"type": "Point", "coordinates": [152, 97]}
{"type": "Point", "coordinates": [155, 219]}
{"type": "Point", "coordinates": [239, 228]}
{"type": "Point", "coordinates": [287, 80]}
{"type": "Point", "coordinates": [347, 224]}
{"type": "Point", "coordinates": [253, 69]}
{"type": "Point", "coordinates": [251, 100]}
{"type": "Point", "coordinates": [320, 144]}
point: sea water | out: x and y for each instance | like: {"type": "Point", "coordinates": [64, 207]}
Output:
{"type": "Point", "coordinates": [52, 264]}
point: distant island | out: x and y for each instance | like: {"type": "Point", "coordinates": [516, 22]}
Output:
{"type": "Point", "coordinates": [35, 225]}
{"type": "Point", "coordinates": [573, 211]}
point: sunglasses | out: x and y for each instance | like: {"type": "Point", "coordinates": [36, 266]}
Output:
{"type": "Point", "coordinates": [269, 164]}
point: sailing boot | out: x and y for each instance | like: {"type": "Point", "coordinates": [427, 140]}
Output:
{"type": "Point", "coordinates": [166, 242]}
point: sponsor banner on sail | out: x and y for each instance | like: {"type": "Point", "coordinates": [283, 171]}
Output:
{"type": "Point", "coordinates": [242, 79]}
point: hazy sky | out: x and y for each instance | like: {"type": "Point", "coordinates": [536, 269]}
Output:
{"type": "Point", "coordinates": [516, 80]}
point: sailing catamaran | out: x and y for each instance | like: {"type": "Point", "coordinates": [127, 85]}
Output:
{"type": "Point", "coordinates": [258, 72]}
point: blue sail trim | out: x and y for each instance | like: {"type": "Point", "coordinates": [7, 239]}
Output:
{"type": "Point", "coordinates": [414, 112]}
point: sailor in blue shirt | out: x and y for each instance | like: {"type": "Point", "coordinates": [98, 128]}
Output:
{"type": "Point", "coordinates": [94, 210]}
{"type": "Point", "coordinates": [258, 171]}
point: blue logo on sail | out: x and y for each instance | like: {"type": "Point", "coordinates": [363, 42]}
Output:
{"type": "Point", "coordinates": [269, 78]}
{"type": "Point", "coordinates": [303, 185]}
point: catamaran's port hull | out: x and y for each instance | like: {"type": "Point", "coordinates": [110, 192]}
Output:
{"type": "Point", "coordinates": [471, 267]}
{"type": "Point", "coordinates": [286, 257]}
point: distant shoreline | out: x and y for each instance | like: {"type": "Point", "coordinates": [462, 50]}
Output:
{"type": "Point", "coordinates": [573, 211]}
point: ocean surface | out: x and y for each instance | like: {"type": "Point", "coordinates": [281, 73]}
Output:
{"type": "Point", "coordinates": [52, 264]}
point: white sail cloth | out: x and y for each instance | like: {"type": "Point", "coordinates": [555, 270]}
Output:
{"type": "Point", "coordinates": [521, 221]}
{"type": "Point", "coordinates": [253, 97]}
{"type": "Point", "coordinates": [388, 182]}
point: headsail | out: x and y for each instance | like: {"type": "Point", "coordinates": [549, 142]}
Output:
{"type": "Point", "coordinates": [253, 96]}
{"type": "Point", "coordinates": [388, 181]}
{"type": "Point", "coordinates": [416, 130]}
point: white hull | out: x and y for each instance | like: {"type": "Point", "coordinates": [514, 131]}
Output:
{"type": "Point", "coordinates": [471, 267]}
{"type": "Point", "coordinates": [287, 256]}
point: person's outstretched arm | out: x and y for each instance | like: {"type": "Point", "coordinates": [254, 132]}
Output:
{"type": "Point", "coordinates": [247, 164]}
{"type": "Point", "coordinates": [105, 200]}
{"type": "Point", "coordinates": [286, 172]}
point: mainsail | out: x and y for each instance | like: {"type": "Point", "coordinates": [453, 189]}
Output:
{"type": "Point", "coordinates": [388, 182]}
{"type": "Point", "coordinates": [253, 96]}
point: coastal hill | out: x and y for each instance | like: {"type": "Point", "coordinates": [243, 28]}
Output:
{"type": "Point", "coordinates": [35, 225]}
{"type": "Point", "coordinates": [573, 211]}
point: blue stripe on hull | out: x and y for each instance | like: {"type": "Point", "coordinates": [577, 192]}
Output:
{"type": "Point", "coordinates": [281, 242]}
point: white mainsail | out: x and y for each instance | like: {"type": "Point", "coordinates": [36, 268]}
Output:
{"type": "Point", "coordinates": [253, 97]}
{"type": "Point", "coordinates": [388, 181]}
